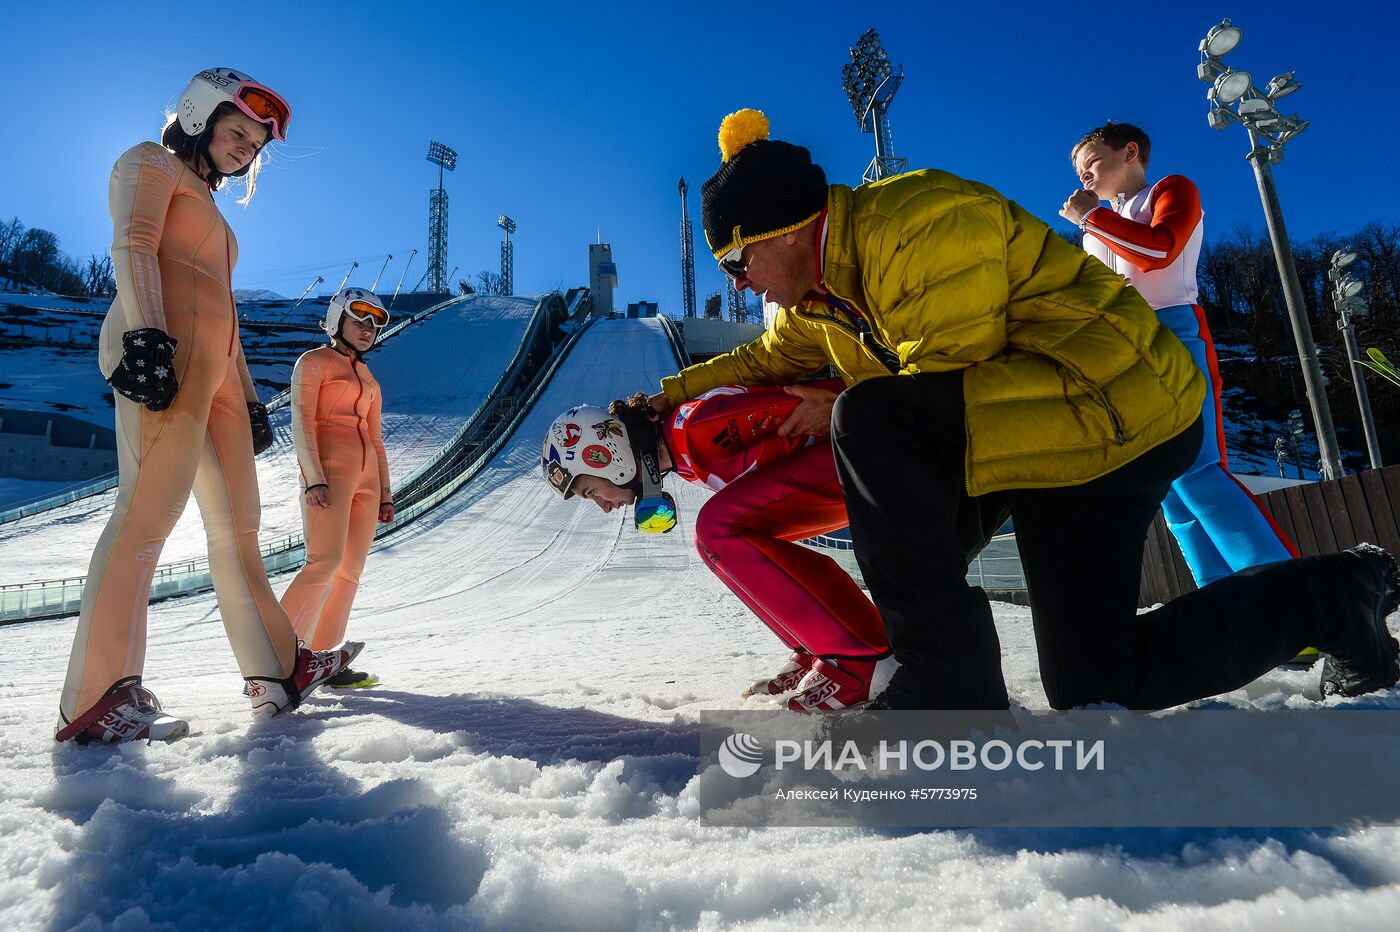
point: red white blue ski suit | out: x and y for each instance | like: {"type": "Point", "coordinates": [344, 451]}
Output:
{"type": "Point", "coordinates": [1153, 240]}
{"type": "Point", "coordinates": [771, 492]}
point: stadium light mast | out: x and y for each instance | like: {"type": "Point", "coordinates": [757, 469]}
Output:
{"type": "Point", "coordinates": [445, 158]}
{"type": "Point", "coordinates": [1233, 98]}
{"type": "Point", "coordinates": [870, 82]}
{"type": "Point", "coordinates": [687, 254]}
{"type": "Point", "coordinates": [507, 255]}
{"type": "Point", "coordinates": [734, 298]}
{"type": "Point", "coordinates": [1347, 300]}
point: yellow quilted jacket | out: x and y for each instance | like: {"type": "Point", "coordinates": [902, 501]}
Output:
{"type": "Point", "coordinates": [1068, 374]}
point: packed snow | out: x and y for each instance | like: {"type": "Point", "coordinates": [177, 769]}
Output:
{"type": "Point", "coordinates": [529, 760]}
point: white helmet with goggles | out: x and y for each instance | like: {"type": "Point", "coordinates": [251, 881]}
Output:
{"type": "Point", "coordinates": [586, 441]}
{"type": "Point", "coordinates": [357, 304]}
{"type": "Point", "coordinates": [215, 86]}
{"type": "Point", "coordinates": [589, 441]}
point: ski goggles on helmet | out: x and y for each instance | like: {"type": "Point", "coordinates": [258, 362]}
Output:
{"type": "Point", "coordinates": [732, 263]}
{"type": "Point", "coordinates": [655, 515]}
{"type": "Point", "coordinates": [367, 312]}
{"type": "Point", "coordinates": [264, 105]}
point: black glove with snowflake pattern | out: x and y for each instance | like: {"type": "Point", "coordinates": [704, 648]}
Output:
{"type": "Point", "coordinates": [146, 373]}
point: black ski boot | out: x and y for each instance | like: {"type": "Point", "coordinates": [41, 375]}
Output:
{"type": "Point", "coordinates": [1369, 658]}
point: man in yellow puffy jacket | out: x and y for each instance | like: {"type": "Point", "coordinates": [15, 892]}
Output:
{"type": "Point", "coordinates": [996, 368]}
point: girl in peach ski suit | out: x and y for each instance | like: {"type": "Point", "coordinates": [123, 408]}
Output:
{"type": "Point", "coordinates": [187, 419]}
{"type": "Point", "coordinates": [336, 404]}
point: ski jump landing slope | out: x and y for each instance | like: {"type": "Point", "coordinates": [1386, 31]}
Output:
{"type": "Point", "coordinates": [526, 761]}
{"type": "Point", "coordinates": [435, 374]}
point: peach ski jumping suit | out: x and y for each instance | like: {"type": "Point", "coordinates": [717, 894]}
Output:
{"type": "Point", "coordinates": [772, 492]}
{"type": "Point", "coordinates": [173, 256]}
{"type": "Point", "coordinates": [335, 423]}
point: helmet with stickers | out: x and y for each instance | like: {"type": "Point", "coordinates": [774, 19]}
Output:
{"type": "Point", "coordinates": [586, 441]}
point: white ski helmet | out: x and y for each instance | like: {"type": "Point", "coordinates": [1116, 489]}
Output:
{"type": "Point", "coordinates": [586, 441]}
{"type": "Point", "coordinates": [215, 86]}
{"type": "Point", "coordinates": [358, 303]}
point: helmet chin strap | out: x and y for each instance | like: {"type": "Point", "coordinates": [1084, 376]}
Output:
{"type": "Point", "coordinates": [644, 436]}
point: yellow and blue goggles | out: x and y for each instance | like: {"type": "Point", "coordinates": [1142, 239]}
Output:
{"type": "Point", "coordinates": [655, 514]}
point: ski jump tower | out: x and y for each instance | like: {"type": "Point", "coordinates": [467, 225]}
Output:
{"type": "Point", "coordinates": [870, 82]}
{"type": "Point", "coordinates": [507, 255]}
{"type": "Point", "coordinates": [444, 158]}
{"type": "Point", "coordinates": [687, 254]}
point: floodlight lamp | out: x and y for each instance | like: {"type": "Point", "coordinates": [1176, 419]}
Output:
{"type": "Point", "coordinates": [1343, 258]}
{"type": "Point", "coordinates": [1231, 86]}
{"type": "Point", "coordinates": [1282, 85]}
{"type": "Point", "coordinates": [1221, 40]}
{"type": "Point", "coordinates": [1351, 286]}
{"type": "Point", "coordinates": [1219, 119]}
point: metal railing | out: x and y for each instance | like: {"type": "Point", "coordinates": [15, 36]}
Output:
{"type": "Point", "coordinates": [55, 598]}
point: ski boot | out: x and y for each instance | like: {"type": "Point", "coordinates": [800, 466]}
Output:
{"type": "Point", "coordinates": [271, 696]}
{"type": "Point", "coordinates": [352, 679]}
{"type": "Point", "coordinates": [785, 680]}
{"type": "Point", "coordinates": [1369, 659]}
{"type": "Point", "coordinates": [128, 712]}
{"type": "Point", "coordinates": [832, 685]}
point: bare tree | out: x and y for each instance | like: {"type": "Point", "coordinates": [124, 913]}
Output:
{"type": "Point", "coordinates": [491, 282]}
{"type": "Point", "coordinates": [98, 279]}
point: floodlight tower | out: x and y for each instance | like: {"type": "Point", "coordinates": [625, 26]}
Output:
{"type": "Point", "coordinates": [444, 158]}
{"type": "Point", "coordinates": [734, 298]}
{"type": "Point", "coordinates": [507, 255]}
{"type": "Point", "coordinates": [687, 254]}
{"type": "Point", "coordinates": [870, 82]}
{"type": "Point", "coordinates": [1269, 131]}
{"type": "Point", "coordinates": [1347, 300]}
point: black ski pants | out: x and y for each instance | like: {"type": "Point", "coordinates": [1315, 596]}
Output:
{"type": "Point", "coordinates": [900, 447]}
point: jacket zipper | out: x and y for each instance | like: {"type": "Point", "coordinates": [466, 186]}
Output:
{"type": "Point", "coordinates": [866, 338]}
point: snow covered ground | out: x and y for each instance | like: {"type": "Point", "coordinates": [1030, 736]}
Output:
{"type": "Point", "coordinates": [434, 374]}
{"type": "Point", "coordinates": [529, 760]}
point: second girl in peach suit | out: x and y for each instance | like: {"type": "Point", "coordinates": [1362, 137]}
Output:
{"type": "Point", "coordinates": [344, 473]}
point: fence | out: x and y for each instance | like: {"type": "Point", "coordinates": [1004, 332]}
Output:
{"type": "Point", "coordinates": [1319, 517]}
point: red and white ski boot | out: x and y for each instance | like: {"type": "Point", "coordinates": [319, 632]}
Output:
{"type": "Point", "coordinates": [129, 712]}
{"type": "Point", "coordinates": [786, 679]}
{"type": "Point", "coordinates": [271, 696]}
{"type": "Point", "coordinates": [834, 684]}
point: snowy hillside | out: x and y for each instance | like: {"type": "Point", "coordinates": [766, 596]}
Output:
{"type": "Point", "coordinates": [434, 374]}
{"type": "Point", "coordinates": [529, 761]}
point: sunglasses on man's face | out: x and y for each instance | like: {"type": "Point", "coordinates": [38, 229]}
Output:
{"type": "Point", "coordinates": [732, 263]}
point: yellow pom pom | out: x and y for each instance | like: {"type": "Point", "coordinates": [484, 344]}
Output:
{"type": "Point", "coordinates": [739, 129]}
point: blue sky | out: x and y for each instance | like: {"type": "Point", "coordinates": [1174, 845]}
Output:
{"type": "Point", "coordinates": [574, 118]}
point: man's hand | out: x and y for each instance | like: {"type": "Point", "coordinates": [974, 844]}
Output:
{"type": "Point", "coordinates": [318, 496]}
{"type": "Point", "coordinates": [1079, 204]}
{"type": "Point", "coordinates": [811, 418]}
{"type": "Point", "coordinates": [386, 512]}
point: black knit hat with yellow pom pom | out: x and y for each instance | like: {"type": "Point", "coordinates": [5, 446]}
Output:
{"type": "Point", "coordinates": [764, 188]}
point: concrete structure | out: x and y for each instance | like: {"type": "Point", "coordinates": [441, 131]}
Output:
{"type": "Point", "coordinates": [602, 277]}
{"type": "Point", "coordinates": [54, 447]}
{"type": "Point", "coordinates": [705, 337]}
